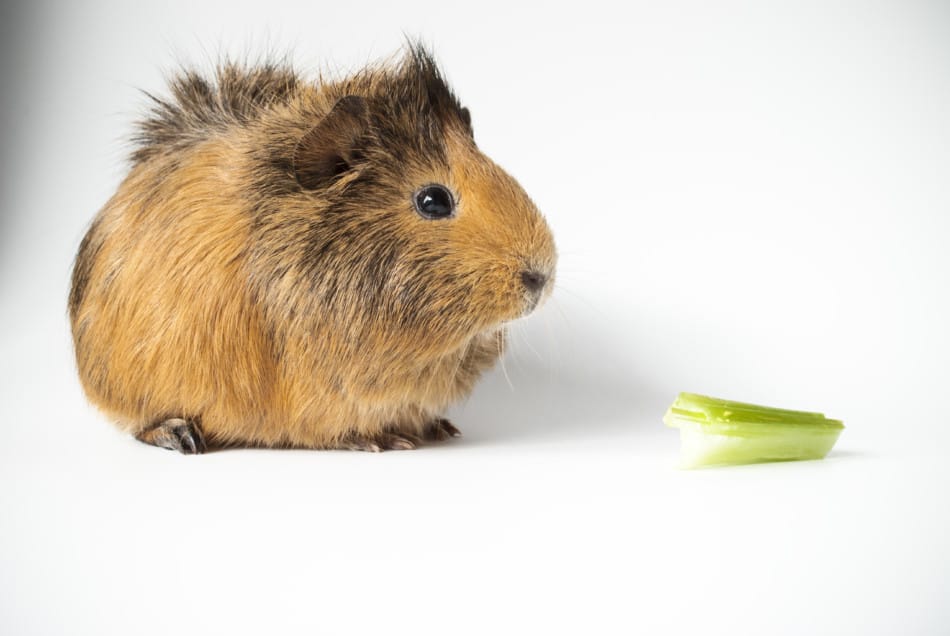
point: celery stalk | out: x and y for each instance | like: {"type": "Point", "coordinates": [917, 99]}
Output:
{"type": "Point", "coordinates": [715, 432]}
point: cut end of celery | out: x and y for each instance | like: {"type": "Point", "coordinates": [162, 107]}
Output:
{"type": "Point", "coordinates": [715, 432]}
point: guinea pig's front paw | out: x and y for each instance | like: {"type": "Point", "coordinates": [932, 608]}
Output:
{"type": "Point", "coordinates": [175, 434]}
{"type": "Point", "coordinates": [439, 430]}
{"type": "Point", "coordinates": [381, 442]}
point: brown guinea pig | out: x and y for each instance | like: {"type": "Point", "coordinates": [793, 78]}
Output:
{"type": "Point", "coordinates": [297, 264]}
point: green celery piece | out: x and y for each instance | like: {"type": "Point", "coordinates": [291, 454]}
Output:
{"type": "Point", "coordinates": [718, 432]}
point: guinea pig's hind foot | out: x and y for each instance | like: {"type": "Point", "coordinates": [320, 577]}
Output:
{"type": "Point", "coordinates": [183, 435]}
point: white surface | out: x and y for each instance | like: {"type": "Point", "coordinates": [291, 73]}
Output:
{"type": "Point", "coordinates": [750, 201]}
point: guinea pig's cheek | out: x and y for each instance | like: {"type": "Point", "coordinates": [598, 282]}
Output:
{"type": "Point", "coordinates": [500, 301]}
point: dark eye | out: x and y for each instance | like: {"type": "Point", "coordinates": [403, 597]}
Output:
{"type": "Point", "coordinates": [435, 202]}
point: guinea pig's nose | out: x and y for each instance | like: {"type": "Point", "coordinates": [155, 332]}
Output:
{"type": "Point", "coordinates": [533, 281]}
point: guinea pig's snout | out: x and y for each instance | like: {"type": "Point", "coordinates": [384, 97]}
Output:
{"type": "Point", "coordinates": [535, 283]}
{"type": "Point", "coordinates": [533, 280]}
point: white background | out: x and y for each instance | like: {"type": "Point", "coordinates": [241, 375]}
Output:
{"type": "Point", "coordinates": [750, 200]}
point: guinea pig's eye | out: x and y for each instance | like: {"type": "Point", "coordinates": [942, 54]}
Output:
{"type": "Point", "coordinates": [435, 202]}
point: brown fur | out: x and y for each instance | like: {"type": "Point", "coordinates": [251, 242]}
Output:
{"type": "Point", "coordinates": [262, 269]}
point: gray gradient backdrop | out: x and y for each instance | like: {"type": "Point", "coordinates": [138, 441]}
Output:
{"type": "Point", "coordinates": [750, 199]}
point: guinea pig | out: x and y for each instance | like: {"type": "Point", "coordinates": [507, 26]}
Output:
{"type": "Point", "coordinates": [311, 264]}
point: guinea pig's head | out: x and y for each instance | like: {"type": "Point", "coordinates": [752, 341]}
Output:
{"type": "Point", "coordinates": [412, 232]}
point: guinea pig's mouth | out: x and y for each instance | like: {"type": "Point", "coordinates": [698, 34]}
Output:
{"type": "Point", "coordinates": [531, 302]}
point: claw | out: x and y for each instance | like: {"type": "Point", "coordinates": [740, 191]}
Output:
{"type": "Point", "coordinates": [381, 442]}
{"type": "Point", "coordinates": [440, 430]}
{"type": "Point", "coordinates": [175, 434]}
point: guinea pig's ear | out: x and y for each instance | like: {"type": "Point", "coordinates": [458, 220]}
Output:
{"type": "Point", "coordinates": [467, 120]}
{"type": "Point", "coordinates": [327, 150]}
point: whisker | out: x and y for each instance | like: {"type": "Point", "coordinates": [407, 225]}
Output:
{"type": "Point", "coordinates": [504, 369]}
